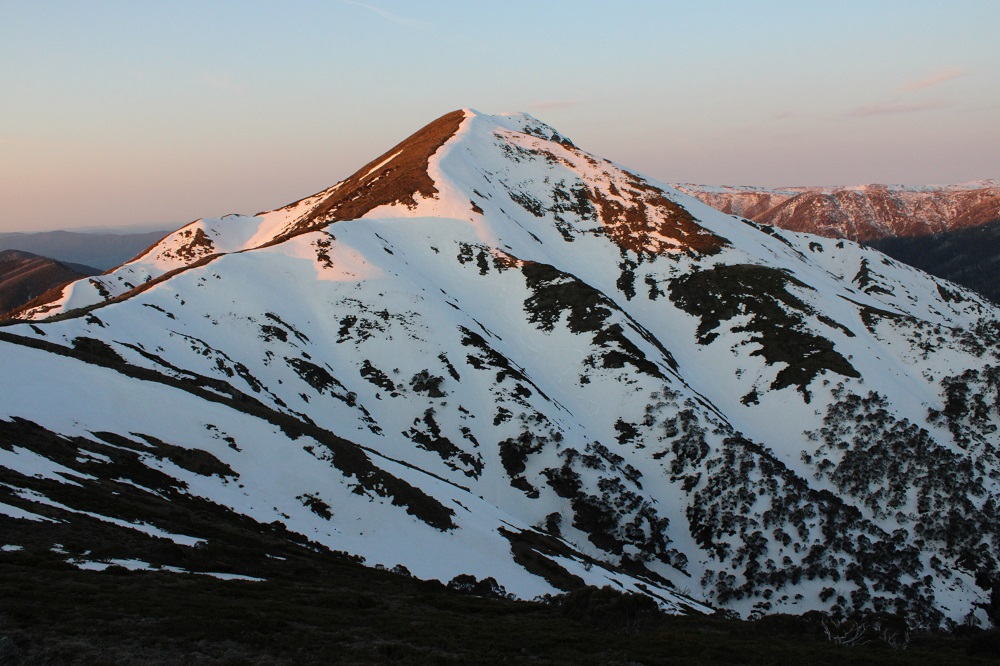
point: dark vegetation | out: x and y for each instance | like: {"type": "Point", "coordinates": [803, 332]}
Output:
{"type": "Point", "coordinates": [332, 610]}
{"type": "Point", "coordinates": [619, 515]}
{"type": "Point", "coordinates": [777, 319]}
{"type": "Point", "coordinates": [545, 132]}
{"type": "Point", "coordinates": [348, 457]}
{"type": "Point", "coordinates": [881, 460]}
{"type": "Point", "coordinates": [803, 535]}
{"type": "Point", "coordinates": [426, 433]}
{"type": "Point", "coordinates": [969, 257]}
{"type": "Point", "coordinates": [481, 356]}
{"type": "Point", "coordinates": [377, 377]}
{"type": "Point", "coordinates": [370, 323]}
{"type": "Point", "coordinates": [575, 201]}
{"type": "Point", "coordinates": [587, 310]}
{"type": "Point", "coordinates": [428, 384]}
{"type": "Point", "coordinates": [868, 280]}
{"type": "Point", "coordinates": [197, 245]}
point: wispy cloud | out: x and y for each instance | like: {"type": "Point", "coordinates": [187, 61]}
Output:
{"type": "Point", "coordinates": [555, 104]}
{"type": "Point", "coordinates": [898, 102]}
{"type": "Point", "coordinates": [389, 16]}
{"type": "Point", "coordinates": [897, 107]}
{"type": "Point", "coordinates": [935, 79]}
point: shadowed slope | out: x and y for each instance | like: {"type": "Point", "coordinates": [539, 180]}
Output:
{"type": "Point", "coordinates": [25, 276]}
{"type": "Point", "coordinates": [969, 257]}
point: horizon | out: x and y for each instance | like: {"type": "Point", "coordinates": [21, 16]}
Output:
{"type": "Point", "coordinates": [150, 117]}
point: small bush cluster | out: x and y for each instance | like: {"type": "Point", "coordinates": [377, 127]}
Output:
{"type": "Point", "coordinates": [609, 609]}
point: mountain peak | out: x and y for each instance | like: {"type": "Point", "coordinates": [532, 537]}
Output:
{"type": "Point", "coordinates": [396, 177]}
{"type": "Point", "coordinates": [490, 353]}
{"type": "Point", "coordinates": [488, 170]}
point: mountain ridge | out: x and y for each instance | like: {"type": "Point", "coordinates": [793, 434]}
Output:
{"type": "Point", "coordinates": [548, 371]}
{"type": "Point", "coordinates": [860, 213]}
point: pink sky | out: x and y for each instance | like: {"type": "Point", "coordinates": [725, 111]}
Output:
{"type": "Point", "coordinates": [120, 113]}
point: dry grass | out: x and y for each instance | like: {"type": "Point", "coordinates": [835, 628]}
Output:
{"type": "Point", "coordinates": [398, 181]}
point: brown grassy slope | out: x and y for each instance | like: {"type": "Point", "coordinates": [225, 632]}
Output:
{"type": "Point", "coordinates": [650, 215]}
{"type": "Point", "coordinates": [398, 181]}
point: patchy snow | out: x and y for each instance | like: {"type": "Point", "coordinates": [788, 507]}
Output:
{"type": "Point", "coordinates": [859, 212]}
{"type": "Point", "coordinates": [145, 528]}
{"type": "Point", "coordinates": [18, 512]}
{"type": "Point", "coordinates": [516, 355]}
{"type": "Point", "coordinates": [139, 565]}
{"type": "Point", "coordinates": [29, 463]}
{"type": "Point", "coordinates": [381, 164]}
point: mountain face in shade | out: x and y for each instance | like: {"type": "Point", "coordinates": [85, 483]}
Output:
{"type": "Point", "coordinates": [969, 257]}
{"type": "Point", "coordinates": [490, 353]}
{"type": "Point", "coordinates": [949, 231]}
{"type": "Point", "coordinates": [25, 276]}
{"type": "Point", "coordinates": [864, 213]}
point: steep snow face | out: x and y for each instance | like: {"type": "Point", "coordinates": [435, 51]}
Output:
{"type": "Point", "coordinates": [526, 362]}
{"type": "Point", "coordinates": [860, 213]}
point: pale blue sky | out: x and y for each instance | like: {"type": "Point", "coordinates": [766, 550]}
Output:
{"type": "Point", "coordinates": [140, 113]}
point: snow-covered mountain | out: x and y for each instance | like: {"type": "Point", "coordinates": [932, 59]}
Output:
{"type": "Point", "coordinates": [489, 352]}
{"type": "Point", "coordinates": [861, 213]}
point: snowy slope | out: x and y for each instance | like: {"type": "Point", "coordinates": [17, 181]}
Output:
{"type": "Point", "coordinates": [198, 241]}
{"type": "Point", "coordinates": [525, 362]}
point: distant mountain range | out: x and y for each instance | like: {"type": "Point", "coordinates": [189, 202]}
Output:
{"type": "Point", "coordinates": [100, 250]}
{"type": "Point", "coordinates": [862, 213]}
{"type": "Point", "coordinates": [494, 359]}
{"type": "Point", "coordinates": [952, 231]}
